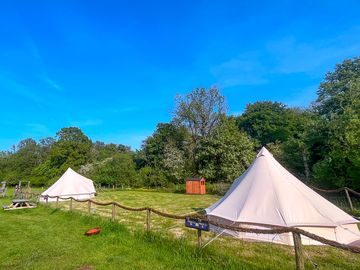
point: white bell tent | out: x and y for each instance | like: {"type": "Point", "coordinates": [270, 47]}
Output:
{"type": "Point", "coordinates": [70, 184]}
{"type": "Point", "coordinates": [267, 194]}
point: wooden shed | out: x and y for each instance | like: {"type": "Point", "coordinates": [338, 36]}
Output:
{"type": "Point", "coordinates": [195, 186]}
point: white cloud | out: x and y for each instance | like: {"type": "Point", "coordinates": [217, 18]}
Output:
{"type": "Point", "coordinates": [245, 69]}
{"type": "Point", "coordinates": [286, 55]}
{"type": "Point", "coordinates": [51, 83]}
{"type": "Point", "coordinates": [291, 55]}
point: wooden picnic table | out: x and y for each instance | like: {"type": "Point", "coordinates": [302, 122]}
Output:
{"type": "Point", "coordinates": [19, 204]}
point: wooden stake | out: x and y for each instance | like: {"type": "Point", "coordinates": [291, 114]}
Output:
{"type": "Point", "coordinates": [46, 199]}
{"type": "Point", "coordinates": [298, 251]}
{"type": "Point", "coordinates": [349, 199]}
{"type": "Point", "coordinates": [148, 220]}
{"type": "Point", "coordinates": [89, 207]}
{"type": "Point", "coordinates": [71, 203]}
{"type": "Point", "coordinates": [57, 202]}
{"type": "Point", "coordinates": [113, 213]}
{"type": "Point", "coordinates": [199, 238]}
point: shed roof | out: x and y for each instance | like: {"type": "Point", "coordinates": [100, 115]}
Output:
{"type": "Point", "coordinates": [194, 179]}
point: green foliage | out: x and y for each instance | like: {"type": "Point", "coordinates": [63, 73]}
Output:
{"type": "Point", "coordinates": [339, 105]}
{"type": "Point", "coordinates": [267, 122]}
{"type": "Point", "coordinates": [21, 164]}
{"type": "Point", "coordinates": [152, 177]}
{"type": "Point", "coordinates": [295, 153]}
{"type": "Point", "coordinates": [118, 170]}
{"type": "Point", "coordinates": [101, 151]}
{"type": "Point", "coordinates": [200, 111]}
{"type": "Point", "coordinates": [167, 150]}
{"type": "Point", "coordinates": [225, 154]}
{"type": "Point", "coordinates": [72, 149]}
{"type": "Point", "coordinates": [337, 92]}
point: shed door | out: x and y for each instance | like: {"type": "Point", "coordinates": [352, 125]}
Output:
{"type": "Point", "coordinates": [196, 187]}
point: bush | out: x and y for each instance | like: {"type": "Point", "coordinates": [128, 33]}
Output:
{"type": "Point", "coordinates": [217, 188]}
{"type": "Point", "coordinates": [152, 178]}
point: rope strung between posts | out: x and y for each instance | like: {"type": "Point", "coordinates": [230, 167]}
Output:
{"type": "Point", "coordinates": [336, 190]}
{"type": "Point", "coordinates": [270, 230]}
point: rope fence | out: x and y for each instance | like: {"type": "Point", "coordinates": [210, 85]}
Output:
{"type": "Point", "coordinates": [344, 197]}
{"type": "Point", "coordinates": [296, 232]}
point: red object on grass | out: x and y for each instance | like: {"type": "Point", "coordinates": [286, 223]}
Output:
{"type": "Point", "coordinates": [93, 231]}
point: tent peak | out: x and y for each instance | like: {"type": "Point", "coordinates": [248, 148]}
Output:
{"type": "Point", "coordinates": [264, 152]}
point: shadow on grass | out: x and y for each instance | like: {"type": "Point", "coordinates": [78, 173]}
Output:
{"type": "Point", "coordinates": [54, 211]}
{"type": "Point", "coordinates": [199, 210]}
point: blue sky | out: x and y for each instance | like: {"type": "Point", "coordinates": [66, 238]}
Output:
{"type": "Point", "coordinates": [113, 68]}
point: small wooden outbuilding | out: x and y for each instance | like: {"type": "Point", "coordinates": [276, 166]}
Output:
{"type": "Point", "coordinates": [195, 186]}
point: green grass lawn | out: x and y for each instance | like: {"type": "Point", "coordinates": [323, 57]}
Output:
{"type": "Point", "coordinates": [46, 238]}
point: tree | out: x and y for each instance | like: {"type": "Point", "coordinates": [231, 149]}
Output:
{"type": "Point", "coordinates": [341, 164]}
{"type": "Point", "coordinates": [19, 165]}
{"type": "Point", "coordinates": [152, 177]}
{"type": "Point", "coordinates": [156, 147]}
{"type": "Point", "coordinates": [101, 150]}
{"type": "Point", "coordinates": [337, 91]}
{"type": "Point", "coordinates": [296, 153]}
{"type": "Point", "coordinates": [72, 149]}
{"type": "Point", "coordinates": [338, 104]}
{"type": "Point", "coordinates": [118, 170]}
{"type": "Point", "coordinates": [225, 154]}
{"type": "Point", "coordinates": [200, 111]}
{"type": "Point", "coordinates": [174, 163]}
{"type": "Point", "coordinates": [267, 122]}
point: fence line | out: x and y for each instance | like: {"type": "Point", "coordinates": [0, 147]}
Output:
{"type": "Point", "coordinates": [296, 232]}
{"type": "Point", "coordinates": [271, 229]}
{"type": "Point", "coordinates": [336, 190]}
{"type": "Point", "coordinates": [345, 189]}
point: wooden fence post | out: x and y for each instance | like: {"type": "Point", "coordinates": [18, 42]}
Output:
{"type": "Point", "coordinates": [113, 212]}
{"type": "Point", "coordinates": [199, 238]}
{"type": "Point", "coordinates": [89, 206]}
{"type": "Point", "coordinates": [148, 220]}
{"type": "Point", "coordinates": [298, 251]}
{"type": "Point", "coordinates": [349, 199]}
{"type": "Point", "coordinates": [71, 200]}
{"type": "Point", "coordinates": [57, 201]}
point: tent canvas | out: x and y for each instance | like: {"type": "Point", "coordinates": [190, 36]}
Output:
{"type": "Point", "coordinates": [71, 184]}
{"type": "Point", "coordinates": [267, 194]}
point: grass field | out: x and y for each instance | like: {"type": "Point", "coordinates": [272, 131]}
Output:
{"type": "Point", "coordinates": [46, 238]}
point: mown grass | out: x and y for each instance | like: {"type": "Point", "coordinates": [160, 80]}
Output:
{"type": "Point", "coordinates": [46, 238]}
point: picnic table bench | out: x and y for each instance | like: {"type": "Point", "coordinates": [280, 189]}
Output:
{"type": "Point", "coordinates": [19, 204]}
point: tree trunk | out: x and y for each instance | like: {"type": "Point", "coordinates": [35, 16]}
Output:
{"type": "Point", "coordinates": [306, 165]}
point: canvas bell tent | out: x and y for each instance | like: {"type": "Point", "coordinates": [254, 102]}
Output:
{"type": "Point", "coordinates": [70, 184]}
{"type": "Point", "coordinates": [267, 194]}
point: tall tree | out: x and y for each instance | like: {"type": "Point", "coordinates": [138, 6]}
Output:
{"type": "Point", "coordinates": [72, 149]}
{"type": "Point", "coordinates": [340, 166]}
{"type": "Point", "coordinates": [266, 121]}
{"type": "Point", "coordinates": [338, 104]}
{"type": "Point", "coordinates": [154, 147]}
{"type": "Point", "coordinates": [296, 151]}
{"type": "Point", "coordinates": [200, 111]}
{"type": "Point", "coordinates": [225, 154]}
{"type": "Point", "coordinates": [338, 91]}
{"type": "Point", "coordinates": [118, 170]}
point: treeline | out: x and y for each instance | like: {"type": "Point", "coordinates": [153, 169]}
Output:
{"type": "Point", "coordinates": [319, 144]}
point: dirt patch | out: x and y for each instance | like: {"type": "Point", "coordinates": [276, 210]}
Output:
{"type": "Point", "coordinates": [178, 232]}
{"type": "Point", "coordinates": [86, 267]}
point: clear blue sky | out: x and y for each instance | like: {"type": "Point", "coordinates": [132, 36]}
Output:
{"type": "Point", "coordinates": [113, 68]}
